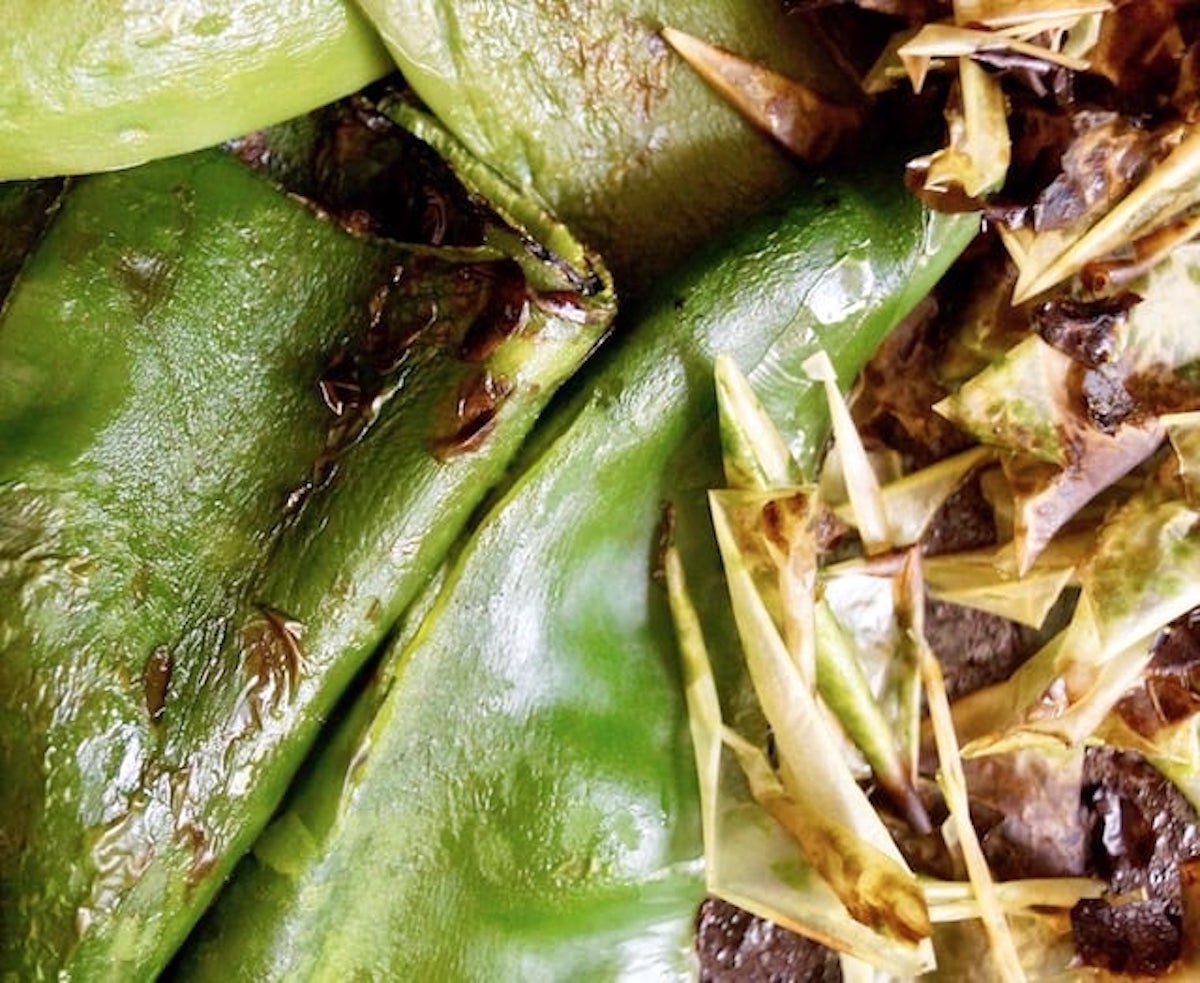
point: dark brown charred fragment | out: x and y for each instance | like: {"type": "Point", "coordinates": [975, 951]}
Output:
{"type": "Point", "coordinates": [1141, 938]}
{"type": "Point", "coordinates": [156, 681]}
{"type": "Point", "coordinates": [1108, 155]}
{"type": "Point", "coordinates": [369, 175]}
{"type": "Point", "coordinates": [1140, 50]}
{"type": "Point", "coordinates": [1088, 331]}
{"type": "Point", "coordinates": [1170, 689]}
{"type": "Point", "coordinates": [1041, 77]}
{"type": "Point", "coordinates": [1025, 807]}
{"type": "Point", "coordinates": [1040, 135]}
{"type": "Point", "coordinates": [1140, 831]}
{"type": "Point", "coordinates": [966, 521]}
{"type": "Point", "coordinates": [975, 648]}
{"type": "Point", "coordinates": [899, 387]}
{"type": "Point", "coordinates": [734, 946]}
{"type": "Point", "coordinates": [504, 311]}
{"type": "Point", "coordinates": [473, 415]}
{"type": "Point", "coordinates": [950, 199]}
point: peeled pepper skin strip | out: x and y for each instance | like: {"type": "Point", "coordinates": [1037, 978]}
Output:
{"type": "Point", "coordinates": [515, 798]}
{"type": "Point", "coordinates": [90, 85]}
{"type": "Point", "coordinates": [196, 552]}
{"type": "Point", "coordinates": [587, 106]}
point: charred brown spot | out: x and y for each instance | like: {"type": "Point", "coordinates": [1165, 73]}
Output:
{"type": "Point", "coordinates": [504, 310]}
{"type": "Point", "coordinates": [358, 377]}
{"type": "Point", "coordinates": [1159, 390]}
{"type": "Point", "coordinates": [1107, 157]}
{"type": "Point", "coordinates": [1088, 331]}
{"type": "Point", "coordinates": [474, 414]}
{"type": "Point", "coordinates": [780, 517]}
{"type": "Point", "coordinates": [272, 661]}
{"type": "Point", "coordinates": [204, 857]}
{"type": "Point", "coordinates": [1170, 688]}
{"type": "Point", "coordinates": [156, 680]}
{"type": "Point", "coordinates": [1141, 832]}
{"type": "Point", "coordinates": [666, 539]}
{"type": "Point", "coordinates": [1136, 937]}
{"type": "Point", "coordinates": [404, 312]}
{"type": "Point", "coordinates": [364, 172]}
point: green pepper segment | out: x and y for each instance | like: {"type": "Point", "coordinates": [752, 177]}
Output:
{"type": "Point", "coordinates": [91, 85]}
{"type": "Point", "coordinates": [515, 798]}
{"type": "Point", "coordinates": [587, 106]}
{"type": "Point", "coordinates": [236, 442]}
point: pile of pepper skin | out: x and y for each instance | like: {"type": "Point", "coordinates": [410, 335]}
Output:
{"type": "Point", "coordinates": [360, 392]}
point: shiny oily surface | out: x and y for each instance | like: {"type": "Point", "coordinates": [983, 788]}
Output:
{"type": "Point", "coordinates": [90, 85]}
{"type": "Point", "coordinates": [234, 448]}
{"type": "Point", "coordinates": [515, 798]}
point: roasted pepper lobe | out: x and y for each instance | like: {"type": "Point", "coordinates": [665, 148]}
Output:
{"type": "Point", "coordinates": [589, 107]}
{"type": "Point", "coordinates": [202, 537]}
{"type": "Point", "coordinates": [91, 85]}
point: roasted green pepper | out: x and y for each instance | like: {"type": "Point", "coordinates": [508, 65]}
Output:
{"type": "Point", "coordinates": [515, 797]}
{"type": "Point", "coordinates": [91, 85]}
{"type": "Point", "coordinates": [236, 442]}
{"type": "Point", "coordinates": [587, 106]}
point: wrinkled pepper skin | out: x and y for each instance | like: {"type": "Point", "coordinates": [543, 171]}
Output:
{"type": "Point", "coordinates": [90, 85]}
{"type": "Point", "coordinates": [586, 105]}
{"type": "Point", "coordinates": [515, 798]}
{"type": "Point", "coordinates": [236, 441]}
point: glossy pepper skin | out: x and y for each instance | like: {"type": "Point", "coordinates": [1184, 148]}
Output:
{"type": "Point", "coordinates": [585, 104]}
{"type": "Point", "coordinates": [515, 797]}
{"type": "Point", "coordinates": [90, 85]}
{"type": "Point", "coordinates": [236, 442]}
